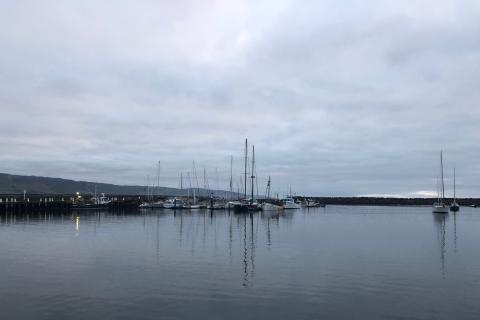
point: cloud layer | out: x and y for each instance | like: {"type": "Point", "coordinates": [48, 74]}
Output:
{"type": "Point", "coordinates": [339, 97]}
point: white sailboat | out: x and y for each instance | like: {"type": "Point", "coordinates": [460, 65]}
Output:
{"type": "Point", "coordinates": [440, 206]}
{"type": "Point", "coordinates": [247, 205]}
{"type": "Point", "coordinates": [193, 204]}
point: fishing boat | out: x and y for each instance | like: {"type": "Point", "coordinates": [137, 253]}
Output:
{"type": "Point", "coordinates": [96, 202]}
{"type": "Point", "coordinates": [270, 204]}
{"type": "Point", "coordinates": [101, 200]}
{"type": "Point", "coordinates": [151, 205]}
{"type": "Point", "coordinates": [312, 204]}
{"type": "Point", "coordinates": [454, 207]}
{"type": "Point", "coordinates": [173, 204]}
{"type": "Point", "coordinates": [289, 203]}
{"type": "Point", "coordinates": [440, 206]}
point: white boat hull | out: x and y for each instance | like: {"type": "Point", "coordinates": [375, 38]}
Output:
{"type": "Point", "coordinates": [271, 207]}
{"type": "Point", "coordinates": [147, 205]}
{"type": "Point", "coordinates": [173, 204]}
{"type": "Point", "coordinates": [440, 209]}
{"type": "Point", "coordinates": [288, 205]}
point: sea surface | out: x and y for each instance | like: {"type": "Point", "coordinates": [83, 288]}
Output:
{"type": "Point", "coordinates": [338, 262]}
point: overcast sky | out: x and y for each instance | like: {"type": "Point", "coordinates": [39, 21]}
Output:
{"type": "Point", "coordinates": [340, 97]}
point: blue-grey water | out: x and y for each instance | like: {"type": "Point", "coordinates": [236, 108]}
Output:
{"type": "Point", "coordinates": [337, 262]}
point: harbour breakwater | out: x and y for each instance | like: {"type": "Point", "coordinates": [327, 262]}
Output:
{"type": "Point", "coordinates": [16, 203]}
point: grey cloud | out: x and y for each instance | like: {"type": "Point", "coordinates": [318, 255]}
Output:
{"type": "Point", "coordinates": [340, 97]}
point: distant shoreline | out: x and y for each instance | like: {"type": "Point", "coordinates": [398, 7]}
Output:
{"type": "Point", "coordinates": [349, 201]}
{"type": "Point", "coordinates": [378, 201]}
{"type": "Point", "coordinates": [36, 187]}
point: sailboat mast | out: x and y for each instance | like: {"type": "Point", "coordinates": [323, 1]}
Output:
{"type": "Point", "coordinates": [268, 188]}
{"type": "Point", "coordinates": [246, 164]}
{"type": "Point", "coordinates": [253, 171]}
{"type": "Point", "coordinates": [454, 186]}
{"type": "Point", "coordinates": [206, 187]}
{"type": "Point", "coordinates": [146, 187]}
{"type": "Point", "coordinates": [441, 166]}
{"type": "Point", "coordinates": [158, 179]}
{"type": "Point", "coordinates": [196, 183]}
{"type": "Point", "coordinates": [231, 176]}
{"type": "Point", "coordinates": [181, 183]}
{"type": "Point", "coordinates": [190, 184]}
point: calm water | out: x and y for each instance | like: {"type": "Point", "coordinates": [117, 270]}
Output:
{"type": "Point", "coordinates": [338, 262]}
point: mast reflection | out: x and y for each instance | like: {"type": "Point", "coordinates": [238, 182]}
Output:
{"type": "Point", "coordinates": [440, 221]}
{"type": "Point", "coordinates": [455, 232]}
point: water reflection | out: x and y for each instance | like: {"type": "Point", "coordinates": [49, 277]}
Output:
{"type": "Point", "coordinates": [249, 249]}
{"type": "Point", "coordinates": [455, 232]}
{"type": "Point", "coordinates": [297, 265]}
{"type": "Point", "coordinates": [440, 222]}
{"type": "Point", "coordinates": [245, 253]}
{"type": "Point", "coordinates": [203, 232]}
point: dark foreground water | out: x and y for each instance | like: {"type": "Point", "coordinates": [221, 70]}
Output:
{"type": "Point", "coordinates": [333, 263]}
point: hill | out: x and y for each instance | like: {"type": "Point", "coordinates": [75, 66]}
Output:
{"type": "Point", "coordinates": [16, 184]}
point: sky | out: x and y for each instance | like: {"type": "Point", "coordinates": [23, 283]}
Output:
{"type": "Point", "coordinates": [340, 97]}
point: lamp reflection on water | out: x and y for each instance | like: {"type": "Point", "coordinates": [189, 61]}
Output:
{"type": "Point", "coordinates": [77, 224]}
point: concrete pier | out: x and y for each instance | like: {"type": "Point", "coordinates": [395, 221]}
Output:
{"type": "Point", "coordinates": [58, 203]}
{"type": "Point", "coordinates": [19, 204]}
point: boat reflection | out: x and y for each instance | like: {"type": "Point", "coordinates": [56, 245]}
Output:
{"type": "Point", "coordinates": [455, 232]}
{"type": "Point", "coordinates": [440, 222]}
{"type": "Point", "coordinates": [239, 237]}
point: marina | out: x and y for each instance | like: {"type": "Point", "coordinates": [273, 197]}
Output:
{"type": "Point", "coordinates": [223, 160]}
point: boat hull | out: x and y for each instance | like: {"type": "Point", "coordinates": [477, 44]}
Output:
{"type": "Point", "coordinates": [440, 209]}
{"type": "Point", "coordinates": [242, 208]}
{"type": "Point", "coordinates": [151, 205]}
{"type": "Point", "coordinates": [271, 207]}
{"type": "Point", "coordinates": [193, 207]}
{"type": "Point", "coordinates": [290, 206]}
{"type": "Point", "coordinates": [90, 206]}
{"type": "Point", "coordinates": [454, 208]}
{"type": "Point", "coordinates": [173, 204]}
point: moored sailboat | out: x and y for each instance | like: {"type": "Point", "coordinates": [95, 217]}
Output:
{"type": "Point", "coordinates": [440, 206]}
{"type": "Point", "coordinates": [247, 205]}
{"type": "Point", "coordinates": [454, 207]}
